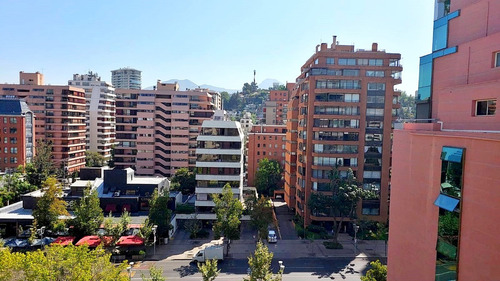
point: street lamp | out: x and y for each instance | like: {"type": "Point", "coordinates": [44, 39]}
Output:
{"type": "Point", "coordinates": [356, 228]}
{"type": "Point", "coordinates": [155, 227]}
{"type": "Point", "coordinates": [282, 267]}
{"type": "Point", "coordinates": [129, 269]}
{"type": "Point", "coordinates": [304, 219]}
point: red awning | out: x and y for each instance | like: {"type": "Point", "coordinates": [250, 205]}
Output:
{"type": "Point", "coordinates": [93, 241]}
{"type": "Point", "coordinates": [130, 241]}
{"type": "Point", "coordinates": [110, 208]}
{"type": "Point", "coordinates": [64, 240]}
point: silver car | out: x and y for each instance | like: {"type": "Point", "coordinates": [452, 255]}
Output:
{"type": "Point", "coordinates": [271, 237]}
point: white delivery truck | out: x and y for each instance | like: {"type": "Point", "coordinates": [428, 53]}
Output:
{"type": "Point", "coordinates": [210, 253]}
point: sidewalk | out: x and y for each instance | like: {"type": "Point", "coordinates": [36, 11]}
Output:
{"type": "Point", "coordinates": [184, 249]}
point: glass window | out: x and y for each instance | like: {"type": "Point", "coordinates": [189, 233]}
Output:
{"type": "Point", "coordinates": [497, 59]}
{"type": "Point", "coordinates": [330, 61]}
{"type": "Point", "coordinates": [486, 107]}
{"type": "Point", "coordinates": [425, 78]}
{"type": "Point", "coordinates": [362, 61]}
{"type": "Point", "coordinates": [446, 202]}
{"type": "Point", "coordinates": [376, 86]}
{"type": "Point", "coordinates": [347, 61]}
{"type": "Point", "coordinates": [373, 73]}
{"type": "Point", "coordinates": [440, 37]}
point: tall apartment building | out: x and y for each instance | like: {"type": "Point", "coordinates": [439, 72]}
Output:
{"type": "Point", "coordinates": [100, 116]}
{"type": "Point", "coordinates": [445, 196]}
{"type": "Point", "coordinates": [17, 134]}
{"type": "Point", "coordinates": [219, 159]}
{"type": "Point", "coordinates": [156, 130]}
{"type": "Point", "coordinates": [59, 114]}
{"type": "Point", "coordinates": [126, 78]}
{"type": "Point", "coordinates": [265, 141]}
{"type": "Point", "coordinates": [276, 107]}
{"type": "Point", "coordinates": [340, 114]}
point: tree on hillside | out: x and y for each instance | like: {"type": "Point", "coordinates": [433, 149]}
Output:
{"type": "Point", "coordinates": [408, 106]}
{"type": "Point", "coordinates": [268, 177]}
{"type": "Point", "coordinates": [184, 181]}
{"type": "Point", "coordinates": [88, 213]}
{"type": "Point", "coordinates": [261, 214]}
{"type": "Point", "coordinates": [378, 272]}
{"type": "Point", "coordinates": [260, 265]}
{"type": "Point", "coordinates": [60, 263]}
{"type": "Point", "coordinates": [228, 211]}
{"type": "Point", "coordinates": [159, 213]}
{"type": "Point", "coordinates": [94, 159]}
{"type": "Point", "coordinates": [50, 206]}
{"type": "Point", "coordinates": [42, 165]}
{"type": "Point", "coordinates": [249, 88]}
{"type": "Point", "coordinates": [341, 204]}
{"type": "Point", "coordinates": [225, 98]}
{"type": "Point", "coordinates": [235, 102]}
{"type": "Point", "coordinates": [208, 270]}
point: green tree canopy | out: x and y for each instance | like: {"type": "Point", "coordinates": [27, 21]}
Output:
{"type": "Point", "coordinates": [155, 274]}
{"type": "Point", "coordinates": [378, 272]}
{"type": "Point", "coordinates": [184, 181]}
{"type": "Point", "coordinates": [342, 203]}
{"type": "Point", "coordinates": [261, 214]}
{"type": "Point", "coordinates": [42, 165]}
{"type": "Point", "coordinates": [228, 211]}
{"type": "Point", "coordinates": [408, 106]}
{"type": "Point", "coordinates": [94, 159]}
{"type": "Point", "coordinates": [50, 206]}
{"type": "Point", "coordinates": [260, 265]}
{"type": "Point", "coordinates": [268, 177]}
{"type": "Point", "coordinates": [159, 213]}
{"type": "Point", "coordinates": [88, 213]}
{"type": "Point", "coordinates": [208, 270]}
{"type": "Point", "coordinates": [60, 263]}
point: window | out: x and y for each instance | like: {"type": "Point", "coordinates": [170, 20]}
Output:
{"type": "Point", "coordinates": [374, 112]}
{"type": "Point", "coordinates": [486, 107]}
{"type": "Point", "coordinates": [373, 137]}
{"type": "Point", "coordinates": [13, 150]}
{"type": "Point", "coordinates": [13, 120]}
{"type": "Point", "coordinates": [497, 59]}
{"type": "Point", "coordinates": [376, 86]}
{"type": "Point", "coordinates": [376, 62]}
{"type": "Point", "coordinates": [371, 174]}
{"type": "Point", "coordinates": [330, 61]}
{"type": "Point", "coordinates": [373, 73]}
{"type": "Point", "coordinates": [362, 61]}
{"type": "Point", "coordinates": [347, 61]}
{"type": "Point", "coordinates": [5, 119]}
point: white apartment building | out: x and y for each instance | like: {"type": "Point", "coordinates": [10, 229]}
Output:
{"type": "Point", "coordinates": [100, 117]}
{"type": "Point", "coordinates": [219, 159]}
{"type": "Point", "coordinates": [126, 78]}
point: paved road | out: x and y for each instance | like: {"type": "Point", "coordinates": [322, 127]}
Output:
{"type": "Point", "coordinates": [306, 269]}
{"type": "Point", "coordinates": [285, 216]}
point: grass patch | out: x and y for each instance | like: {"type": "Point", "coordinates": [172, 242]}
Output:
{"type": "Point", "coordinates": [332, 245]}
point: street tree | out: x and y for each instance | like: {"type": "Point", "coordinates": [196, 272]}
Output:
{"type": "Point", "coordinates": [155, 274]}
{"type": "Point", "coordinates": [116, 230]}
{"type": "Point", "coordinates": [159, 213]}
{"type": "Point", "coordinates": [60, 263]}
{"type": "Point", "coordinates": [94, 159]}
{"type": "Point", "coordinates": [382, 233]}
{"type": "Point", "coordinates": [378, 272]}
{"type": "Point", "coordinates": [42, 166]}
{"type": "Point", "coordinates": [193, 226]}
{"type": "Point", "coordinates": [268, 176]}
{"type": "Point", "coordinates": [261, 214]}
{"type": "Point", "coordinates": [342, 202]}
{"type": "Point", "coordinates": [88, 213]}
{"type": "Point", "coordinates": [228, 211]}
{"type": "Point", "coordinates": [50, 206]}
{"type": "Point", "coordinates": [260, 265]}
{"type": "Point", "coordinates": [208, 270]}
{"type": "Point", "coordinates": [184, 181]}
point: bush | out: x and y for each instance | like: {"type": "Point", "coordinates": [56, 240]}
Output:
{"type": "Point", "coordinates": [332, 245]}
{"type": "Point", "coordinates": [185, 209]}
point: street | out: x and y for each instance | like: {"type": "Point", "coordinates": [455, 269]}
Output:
{"type": "Point", "coordinates": [236, 269]}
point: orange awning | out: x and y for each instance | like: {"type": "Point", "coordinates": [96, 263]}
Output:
{"type": "Point", "coordinates": [132, 240]}
{"type": "Point", "coordinates": [64, 240]}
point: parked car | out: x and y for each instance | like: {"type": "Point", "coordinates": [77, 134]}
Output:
{"type": "Point", "coordinates": [271, 237]}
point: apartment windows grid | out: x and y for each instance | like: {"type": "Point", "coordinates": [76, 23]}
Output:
{"type": "Point", "coordinates": [486, 107]}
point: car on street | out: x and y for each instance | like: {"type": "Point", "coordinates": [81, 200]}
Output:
{"type": "Point", "coordinates": [271, 237]}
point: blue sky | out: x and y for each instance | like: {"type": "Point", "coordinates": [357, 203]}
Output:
{"type": "Point", "coordinates": [217, 42]}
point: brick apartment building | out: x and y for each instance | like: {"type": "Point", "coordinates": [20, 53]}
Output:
{"type": "Point", "coordinates": [340, 114]}
{"type": "Point", "coordinates": [156, 129]}
{"type": "Point", "coordinates": [276, 107]}
{"type": "Point", "coordinates": [59, 114]}
{"type": "Point", "coordinates": [445, 196]}
{"type": "Point", "coordinates": [265, 141]}
{"type": "Point", "coordinates": [17, 135]}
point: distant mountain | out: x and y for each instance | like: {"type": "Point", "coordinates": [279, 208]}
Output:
{"type": "Point", "coordinates": [188, 84]}
{"type": "Point", "coordinates": [266, 84]}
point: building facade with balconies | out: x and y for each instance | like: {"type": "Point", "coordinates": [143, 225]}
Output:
{"type": "Point", "coordinates": [220, 158]}
{"type": "Point", "coordinates": [340, 115]}
{"type": "Point", "coordinates": [100, 116]}
{"type": "Point", "coordinates": [156, 130]}
{"type": "Point", "coordinates": [126, 78]}
{"type": "Point", "coordinates": [59, 117]}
